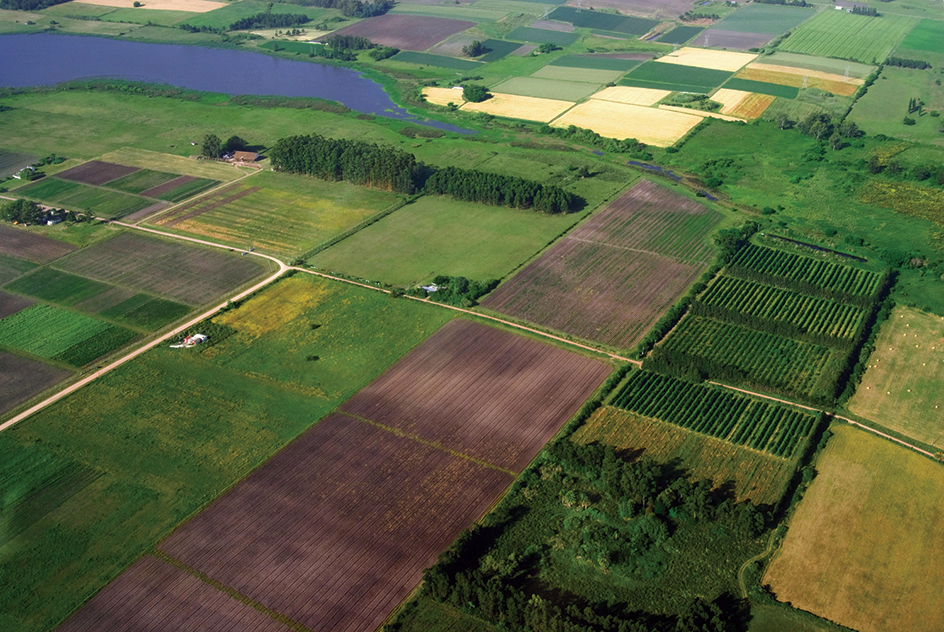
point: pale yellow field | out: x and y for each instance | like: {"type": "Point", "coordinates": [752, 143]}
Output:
{"type": "Point", "coordinates": [753, 106]}
{"type": "Point", "coordinates": [194, 6]}
{"type": "Point", "coordinates": [443, 96]}
{"type": "Point", "coordinates": [619, 120]}
{"type": "Point", "coordinates": [799, 78]}
{"type": "Point", "coordinates": [701, 113]}
{"type": "Point", "coordinates": [705, 58]}
{"type": "Point", "coordinates": [175, 164]}
{"type": "Point", "coordinates": [631, 96]}
{"type": "Point", "coordinates": [730, 99]}
{"type": "Point", "coordinates": [864, 546]}
{"type": "Point", "coordinates": [515, 106]}
{"type": "Point", "coordinates": [803, 72]}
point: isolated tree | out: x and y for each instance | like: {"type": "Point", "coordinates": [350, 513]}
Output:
{"type": "Point", "coordinates": [474, 49]}
{"type": "Point", "coordinates": [475, 94]}
{"type": "Point", "coordinates": [547, 47]}
{"type": "Point", "coordinates": [212, 147]}
{"type": "Point", "coordinates": [22, 211]}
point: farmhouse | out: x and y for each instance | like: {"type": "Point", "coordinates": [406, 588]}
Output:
{"type": "Point", "coordinates": [245, 156]}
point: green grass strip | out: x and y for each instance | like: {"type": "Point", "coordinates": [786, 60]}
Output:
{"type": "Point", "coordinates": [772, 89]}
{"type": "Point", "coordinates": [440, 61]}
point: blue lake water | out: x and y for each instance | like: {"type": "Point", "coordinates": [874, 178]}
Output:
{"type": "Point", "coordinates": [47, 59]}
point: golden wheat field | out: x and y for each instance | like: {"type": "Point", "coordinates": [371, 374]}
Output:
{"type": "Point", "coordinates": [631, 96]}
{"type": "Point", "coordinates": [515, 106]}
{"type": "Point", "coordinates": [443, 96]}
{"type": "Point", "coordinates": [753, 106]}
{"type": "Point", "coordinates": [796, 77]}
{"type": "Point", "coordinates": [619, 120]}
{"type": "Point", "coordinates": [701, 113]}
{"type": "Point", "coordinates": [730, 99]}
{"type": "Point", "coordinates": [711, 59]}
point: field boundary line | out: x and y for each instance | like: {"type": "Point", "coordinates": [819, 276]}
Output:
{"type": "Point", "coordinates": [441, 448]}
{"type": "Point", "coordinates": [886, 436]}
{"type": "Point", "coordinates": [196, 198]}
{"type": "Point", "coordinates": [756, 558]}
{"type": "Point", "coordinates": [770, 397]}
{"type": "Point", "coordinates": [232, 593]}
{"type": "Point", "coordinates": [645, 252]}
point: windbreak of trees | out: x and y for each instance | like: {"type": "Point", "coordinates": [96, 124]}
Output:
{"type": "Point", "coordinates": [357, 162]}
{"type": "Point", "coordinates": [907, 63]}
{"type": "Point", "coordinates": [29, 5]}
{"type": "Point", "coordinates": [500, 190]}
{"type": "Point", "coordinates": [268, 20]}
{"type": "Point", "coordinates": [352, 8]}
{"type": "Point", "coordinates": [349, 42]}
{"type": "Point", "coordinates": [870, 11]}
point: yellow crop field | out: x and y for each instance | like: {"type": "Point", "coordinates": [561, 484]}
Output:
{"type": "Point", "coordinates": [705, 58]}
{"type": "Point", "coordinates": [901, 388]}
{"type": "Point", "coordinates": [863, 547]}
{"type": "Point", "coordinates": [157, 161]}
{"type": "Point", "coordinates": [756, 476]}
{"type": "Point", "coordinates": [515, 106]}
{"type": "Point", "coordinates": [753, 106]}
{"type": "Point", "coordinates": [701, 113]}
{"type": "Point", "coordinates": [280, 303]}
{"type": "Point", "coordinates": [194, 6]}
{"type": "Point", "coordinates": [631, 96]}
{"type": "Point", "coordinates": [730, 99]}
{"type": "Point", "coordinates": [443, 96]}
{"type": "Point", "coordinates": [619, 120]}
{"type": "Point", "coordinates": [795, 77]}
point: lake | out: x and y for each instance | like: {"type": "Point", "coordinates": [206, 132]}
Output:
{"type": "Point", "coordinates": [47, 59]}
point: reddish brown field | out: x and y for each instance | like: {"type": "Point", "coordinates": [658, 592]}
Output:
{"type": "Point", "coordinates": [483, 392]}
{"type": "Point", "coordinates": [144, 213]}
{"type": "Point", "coordinates": [613, 277]}
{"type": "Point", "coordinates": [22, 378]}
{"type": "Point", "coordinates": [167, 186]}
{"type": "Point", "coordinates": [334, 531]}
{"type": "Point", "coordinates": [189, 274]}
{"type": "Point", "coordinates": [96, 172]}
{"type": "Point", "coordinates": [18, 242]}
{"type": "Point", "coordinates": [406, 32]}
{"type": "Point", "coordinates": [153, 595]}
{"type": "Point", "coordinates": [665, 9]}
{"type": "Point", "coordinates": [10, 304]}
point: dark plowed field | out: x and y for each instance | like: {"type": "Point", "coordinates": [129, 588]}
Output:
{"type": "Point", "coordinates": [188, 274]}
{"type": "Point", "coordinates": [10, 304]}
{"type": "Point", "coordinates": [406, 32]}
{"type": "Point", "coordinates": [335, 530]}
{"type": "Point", "coordinates": [662, 9]}
{"type": "Point", "coordinates": [22, 378]}
{"type": "Point", "coordinates": [20, 243]}
{"type": "Point", "coordinates": [718, 38]}
{"type": "Point", "coordinates": [614, 276]}
{"type": "Point", "coordinates": [96, 172]}
{"type": "Point", "coordinates": [481, 391]}
{"type": "Point", "coordinates": [154, 596]}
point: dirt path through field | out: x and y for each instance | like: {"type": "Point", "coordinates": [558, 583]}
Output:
{"type": "Point", "coordinates": [759, 556]}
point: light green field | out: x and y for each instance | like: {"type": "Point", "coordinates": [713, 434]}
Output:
{"type": "Point", "coordinates": [927, 36]}
{"type": "Point", "coordinates": [822, 64]}
{"type": "Point", "coordinates": [175, 428]}
{"type": "Point", "coordinates": [105, 203]}
{"type": "Point", "coordinates": [154, 16]}
{"type": "Point", "coordinates": [78, 10]}
{"type": "Point", "coordinates": [582, 75]}
{"type": "Point", "coordinates": [547, 88]}
{"type": "Point", "coordinates": [221, 18]}
{"type": "Point", "coordinates": [882, 109]}
{"type": "Point", "coordinates": [901, 389]}
{"type": "Point", "coordinates": [472, 14]}
{"type": "Point", "coordinates": [175, 164]}
{"type": "Point", "coordinates": [62, 330]}
{"type": "Point", "coordinates": [287, 216]}
{"type": "Point", "coordinates": [861, 544]}
{"type": "Point", "coordinates": [439, 235]}
{"type": "Point", "coordinates": [847, 36]}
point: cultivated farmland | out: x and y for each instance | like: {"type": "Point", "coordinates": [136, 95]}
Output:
{"type": "Point", "coordinates": [860, 546]}
{"type": "Point", "coordinates": [22, 378]}
{"type": "Point", "coordinates": [747, 105]}
{"type": "Point", "coordinates": [926, 36]}
{"type": "Point", "coordinates": [142, 180]}
{"type": "Point", "coordinates": [180, 272]}
{"type": "Point", "coordinates": [546, 88]}
{"type": "Point", "coordinates": [582, 75]}
{"type": "Point", "coordinates": [758, 477]}
{"type": "Point", "coordinates": [661, 128]}
{"type": "Point", "coordinates": [766, 18]}
{"type": "Point", "coordinates": [11, 162]}
{"type": "Point", "coordinates": [710, 59]}
{"type": "Point", "coordinates": [542, 36]}
{"type": "Point", "coordinates": [615, 22]}
{"type": "Point", "coordinates": [57, 287]}
{"type": "Point", "coordinates": [631, 96]}
{"type": "Point", "coordinates": [514, 106]}
{"type": "Point", "coordinates": [801, 77]}
{"type": "Point", "coordinates": [719, 38]}
{"type": "Point", "coordinates": [19, 242]}
{"type": "Point", "coordinates": [96, 172]}
{"type": "Point", "coordinates": [10, 304]}
{"type": "Point", "coordinates": [857, 37]}
{"type": "Point", "coordinates": [406, 32]}
{"type": "Point", "coordinates": [668, 76]}
{"type": "Point", "coordinates": [612, 277]}
{"type": "Point", "coordinates": [50, 189]}
{"type": "Point", "coordinates": [597, 62]}
{"type": "Point", "coordinates": [105, 203]}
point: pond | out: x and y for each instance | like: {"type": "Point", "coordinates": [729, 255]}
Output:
{"type": "Point", "coordinates": [47, 59]}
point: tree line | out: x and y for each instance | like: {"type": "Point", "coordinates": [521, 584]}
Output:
{"type": "Point", "coordinates": [500, 190]}
{"type": "Point", "coordinates": [29, 5]}
{"type": "Point", "coordinates": [269, 20]}
{"type": "Point", "coordinates": [901, 62]}
{"type": "Point", "coordinates": [352, 8]}
{"type": "Point", "coordinates": [869, 11]}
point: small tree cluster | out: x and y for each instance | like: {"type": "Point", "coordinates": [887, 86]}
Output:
{"type": "Point", "coordinates": [21, 211]}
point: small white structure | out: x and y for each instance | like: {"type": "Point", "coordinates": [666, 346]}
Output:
{"type": "Point", "coordinates": [190, 341]}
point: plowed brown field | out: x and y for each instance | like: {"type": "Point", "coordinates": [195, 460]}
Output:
{"type": "Point", "coordinates": [22, 378]}
{"type": "Point", "coordinates": [18, 242]}
{"type": "Point", "coordinates": [96, 172]}
{"type": "Point", "coordinates": [406, 32]}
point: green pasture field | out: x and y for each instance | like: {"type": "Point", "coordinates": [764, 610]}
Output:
{"type": "Point", "coordinates": [847, 36]}
{"type": "Point", "coordinates": [152, 16]}
{"type": "Point", "coordinates": [207, 169]}
{"type": "Point", "coordinates": [105, 203]}
{"type": "Point", "coordinates": [141, 181]}
{"type": "Point", "coordinates": [51, 189]}
{"type": "Point", "coordinates": [822, 64]}
{"type": "Point", "coordinates": [547, 88]}
{"type": "Point", "coordinates": [901, 388]}
{"type": "Point", "coordinates": [926, 36]}
{"type": "Point", "coordinates": [425, 59]}
{"type": "Point", "coordinates": [516, 6]}
{"type": "Point", "coordinates": [498, 49]}
{"type": "Point", "coordinates": [438, 235]}
{"type": "Point", "coordinates": [470, 13]}
{"type": "Point", "coordinates": [11, 162]}
{"type": "Point", "coordinates": [175, 428]}
{"type": "Point", "coordinates": [57, 287]}
{"type": "Point", "coordinates": [299, 48]}
{"type": "Point", "coordinates": [580, 75]}
{"type": "Point", "coordinates": [542, 36]}
{"type": "Point", "coordinates": [873, 507]}
{"type": "Point", "coordinates": [675, 74]}
{"type": "Point", "coordinates": [289, 214]}
{"type": "Point", "coordinates": [595, 63]}
{"type": "Point", "coordinates": [882, 109]}
{"type": "Point", "coordinates": [12, 268]}
{"type": "Point", "coordinates": [47, 331]}
{"type": "Point", "coordinates": [188, 189]}
{"type": "Point", "coordinates": [224, 16]}
{"type": "Point", "coordinates": [792, 109]}
{"type": "Point", "coordinates": [78, 10]}
{"type": "Point", "coordinates": [765, 18]}
{"type": "Point", "coordinates": [680, 34]}
{"type": "Point", "coordinates": [762, 87]}
{"type": "Point", "coordinates": [146, 312]}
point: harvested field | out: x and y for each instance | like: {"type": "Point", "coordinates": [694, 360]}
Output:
{"type": "Point", "coordinates": [153, 590]}
{"type": "Point", "coordinates": [710, 59]}
{"type": "Point", "coordinates": [550, 25]}
{"type": "Point", "coordinates": [542, 36]}
{"type": "Point", "coordinates": [514, 392]}
{"type": "Point", "coordinates": [137, 216]}
{"type": "Point", "coordinates": [377, 508]}
{"type": "Point", "coordinates": [757, 477]}
{"type": "Point", "coordinates": [406, 32]}
{"type": "Point", "coordinates": [612, 277]}
{"type": "Point", "coordinates": [193, 6]}
{"type": "Point", "coordinates": [747, 105]}
{"type": "Point", "coordinates": [546, 88]}
{"type": "Point", "coordinates": [719, 38]}
{"type": "Point", "coordinates": [184, 273]}
{"type": "Point", "coordinates": [444, 96]}
{"type": "Point", "coordinates": [96, 172]}
{"type": "Point", "coordinates": [581, 75]}
{"type": "Point", "coordinates": [618, 120]}
{"type": "Point", "coordinates": [730, 99]}
{"type": "Point", "coordinates": [702, 113]}
{"type": "Point", "coordinates": [524, 50]}
{"type": "Point", "coordinates": [862, 542]}
{"type": "Point", "coordinates": [515, 106]}
{"type": "Point", "coordinates": [10, 304]}
{"type": "Point", "coordinates": [22, 378]}
{"type": "Point", "coordinates": [821, 64]}
{"type": "Point", "coordinates": [19, 242]}
{"type": "Point", "coordinates": [632, 96]}
{"type": "Point", "coordinates": [801, 77]}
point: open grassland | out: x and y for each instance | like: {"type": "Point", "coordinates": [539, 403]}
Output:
{"type": "Point", "coordinates": [24, 244]}
{"type": "Point", "coordinates": [176, 428]}
{"type": "Point", "coordinates": [801, 77]}
{"type": "Point", "coordinates": [438, 235]}
{"type": "Point", "coordinates": [192, 6]}
{"type": "Point", "coordinates": [754, 476]}
{"type": "Point", "coordinates": [189, 274]}
{"type": "Point", "coordinates": [11, 162]}
{"type": "Point", "coordinates": [515, 106]}
{"type": "Point", "coordinates": [901, 388]}
{"type": "Point", "coordinates": [618, 120]}
{"type": "Point", "coordinates": [631, 96]}
{"type": "Point", "coordinates": [765, 18]}
{"type": "Point", "coordinates": [22, 378]}
{"type": "Point", "coordinates": [710, 59]}
{"type": "Point", "coordinates": [826, 65]}
{"type": "Point", "coordinates": [145, 159]}
{"type": "Point", "coordinates": [882, 108]}
{"type": "Point", "coordinates": [278, 213]}
{"type": "Point", "coordinates": [847, 36]}
{"type": "Point", "coordinates": [906, 198]}
{"type": "Point", "coordinates": [546, 88]}
{"type": "Point", "coordinates": [861, 544]}
{"type": "Point", "coordinates": [444, 96]}
{"type": "Point", "coordinates": [158, 17]}
{"type": "Point", "coordinates": [926, 37]}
